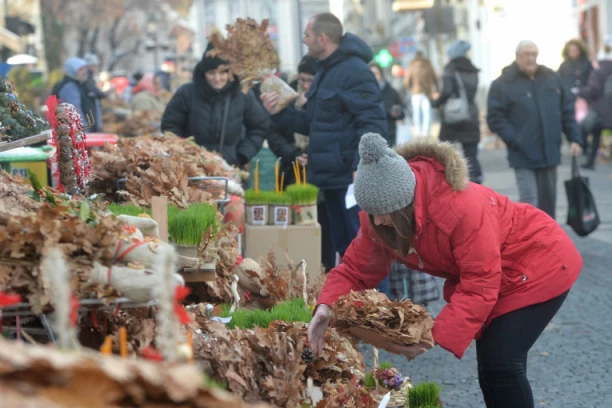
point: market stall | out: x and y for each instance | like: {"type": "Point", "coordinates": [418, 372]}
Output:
{"type": "Point", "coordinates": [130, 286]}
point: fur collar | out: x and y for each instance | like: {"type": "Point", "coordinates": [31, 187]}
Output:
{"type": "Point", "coordinates": [455, 165]}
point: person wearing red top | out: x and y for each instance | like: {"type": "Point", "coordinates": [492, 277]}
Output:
{"type": "Point", "coordinates": [508, 266]}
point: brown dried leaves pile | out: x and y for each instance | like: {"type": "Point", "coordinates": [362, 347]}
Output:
{"type": "Point", "coordinates": [37, 376]}
{"type": "Point", "coordinates": [139, 324]}
{"type": "Point", "coordinates": [25, 238]}
{"type": "Point", "coordinates": [339, 361]}
{"type": "Point", "coordinates": [346, 394]}
{"type": "Point", "coordinates": [138, 124]}
{"type": "Point", "coordinates": [374, 319]}
{"type": "Point", "coordinates": [248, 49]}
{"type": "Point", "coordinates": [258, 365]}
{"type": "Point", "coordinates": [159, 165]}
{"type": "Point", "coordinates": [13, 197]}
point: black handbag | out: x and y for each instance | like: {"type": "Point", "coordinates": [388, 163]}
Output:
{"type": "Point", "coordinates": [582, 215]}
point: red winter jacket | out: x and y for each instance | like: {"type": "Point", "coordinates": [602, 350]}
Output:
{"type": "Point", "coordinates": [496, 256]}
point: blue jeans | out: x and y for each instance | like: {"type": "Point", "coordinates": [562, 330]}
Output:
{"type": "Point", "coordinates": [385, 288]}
{"type": "Point", "coordinates": [344, 223]}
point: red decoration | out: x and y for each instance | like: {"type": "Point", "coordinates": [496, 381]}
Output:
{"type": "Point", "coordinates": [239, 260]}
{"type": "Point", "coordinates": [179, 295]}
{"type": "Point", "coordinates": [74, 310]}
{"type": "Point", "coordinates": [79, 151]}
{"type": "Point", "coordinates": [8, 299]}
{"type": "Point", "coordinates": [149, 353]}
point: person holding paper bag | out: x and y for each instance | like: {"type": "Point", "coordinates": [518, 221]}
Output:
{"type": "Point", "coordinates": [508, 266]}
{"type": "Point", "coordinates": [344, 102]}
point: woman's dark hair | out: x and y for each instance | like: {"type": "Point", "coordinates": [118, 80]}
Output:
{"type": "Point", "coordinates": [379, 68]}
{"type": "Point", "coordinates": [581, 45]}
{"type": "Point", "coordinates": [398, 237]}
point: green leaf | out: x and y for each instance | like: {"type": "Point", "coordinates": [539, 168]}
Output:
{"type": "Point", "coordinates": [33, 195]}
{"type": "Point", "coordinates": [50, 198]}
{"type": "Point", "coordinates": [34, 181]}
{"type": "Point", "coordinates": [84, 211]}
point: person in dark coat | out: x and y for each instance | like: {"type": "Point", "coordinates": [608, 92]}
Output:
{"type": "Point", "coordinates": [467, 133]}
{"type": "Point", "coordinates": [290, 147]}
{"type": "Point", "coordinates": [576, 67]}
{"type": "Point", "coordinates": [593, 92]}
{"type": "Point", "coordinates": [343, 104]}
{"type": "Point", "coordinates": [214, 110]}
{"type": "Point", "coordinates": [71, 88]}
{"type": "Point", "coordinates": [392, 101]}
{"type": "Point", "coordinates": [93, 94]}
{"type": "Point", "coordinates": [529, 108]}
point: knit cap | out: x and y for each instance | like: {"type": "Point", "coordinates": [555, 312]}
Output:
{"type": "Point", "coordinates": [384, 182]}
{"type": "Point", "coordinates": [458, 49]}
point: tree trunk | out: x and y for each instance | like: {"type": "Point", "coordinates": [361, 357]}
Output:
{"type": "Point", "coordinates": [83, 34]}
{"type": "Point", "coordinates": [93, 41]}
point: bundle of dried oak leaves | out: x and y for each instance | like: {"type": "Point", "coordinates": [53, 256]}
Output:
{"type": "Point", "coordinates": [371, 317]}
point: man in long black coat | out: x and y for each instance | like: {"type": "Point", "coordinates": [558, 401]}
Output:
{"type": "Point", "coordinates": [529, 108]}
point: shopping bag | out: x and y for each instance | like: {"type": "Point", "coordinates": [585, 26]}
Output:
{"type": "Point", "coordinates": [582, 213]}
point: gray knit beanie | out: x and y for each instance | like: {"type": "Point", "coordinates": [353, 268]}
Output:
{"type": "Point", "coordinates": [385, 182]}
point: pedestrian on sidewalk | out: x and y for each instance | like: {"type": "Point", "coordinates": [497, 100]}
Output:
{"type": "Point", "coordinates": [421, 81]}
{"type": "Point", "coordinates": [529, 108]}
{"type": "Point", "coordinates": [343, 104]}
{"type": "Point", "coordinates": [460, 68]}
{"type": "Point", "coordinates": [392, 102]}
{"type": "Point", "coordinates": [600, 107]}
{"type": "Point", "coordinates": [508, 266]}
{"type": "Point", "coordinates": [576, 67]}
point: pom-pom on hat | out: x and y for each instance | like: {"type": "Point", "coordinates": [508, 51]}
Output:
{"type": "Point", "coordinates": [384, 182]}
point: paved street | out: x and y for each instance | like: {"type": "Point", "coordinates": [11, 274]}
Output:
{"type": "Point", "coordinates": [571, 364]}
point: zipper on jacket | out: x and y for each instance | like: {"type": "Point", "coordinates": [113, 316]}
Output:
{"type": "Point", "coordinates": [413, 251]}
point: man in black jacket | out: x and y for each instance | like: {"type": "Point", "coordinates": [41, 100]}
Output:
{"type": "Point", "coordinates": [343, 104]}
{"type": "Point", "coordinates": [529, 108]}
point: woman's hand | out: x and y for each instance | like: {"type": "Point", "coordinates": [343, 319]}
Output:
{"type": "Point", "coordinates": [270, 99]}
{"type": "Point", "coordinates": [409, 351]}
{"type": "Point", "coordinates": [317, 328]}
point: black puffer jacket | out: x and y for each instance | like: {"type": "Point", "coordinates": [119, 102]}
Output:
{"type": "Point", "coordinates": [575, 73]}
{"type": "Point", "coordinates": [468, 132]}
{"type": "Point", "coordinates": [196, 109]}
{"type": "Point", "coordinates": [593, 92]}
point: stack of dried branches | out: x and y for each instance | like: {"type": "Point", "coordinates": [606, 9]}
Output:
{"type": "Point", "coordinates": [39, 377]}
{"type": "Point", "coordinates": [159, 165]}
{"type": "Point", "coordinates": [248, 49]}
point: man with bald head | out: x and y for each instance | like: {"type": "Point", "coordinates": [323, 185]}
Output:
{"type": "Point", "coordinates": [343, 104]}
{"type": "Point", "coordinates": [529, 108]}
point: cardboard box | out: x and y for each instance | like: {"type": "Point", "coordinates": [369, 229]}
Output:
{"type": "Point", "coordinates": [299, 241]}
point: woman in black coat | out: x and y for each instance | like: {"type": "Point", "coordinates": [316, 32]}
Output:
{"type": "Point", "coordinates": [576, 67]}
{"type": "Point", "coordinates": [394, 108]}
{"type": "Point", "coordinates": [213, 109]}
{"type": "Point", "coordinates": [467, 133]}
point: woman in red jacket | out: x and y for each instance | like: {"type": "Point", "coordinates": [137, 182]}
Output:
{"type": "Point", "coordinates": [508, 266]}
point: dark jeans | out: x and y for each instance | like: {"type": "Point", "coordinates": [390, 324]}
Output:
{"type": "Point", "coordinates": [344, 223]}
{"type": "Point", "coordinates": [595, 142]}
{"type": "Point", "coordinates": [328, 253]}
{"type": "Point", "coordinates": [538, 187]}
{"type": "Point", "coordinates": [470, 151]}
{"type": "Point", "coordinates": [502, 354]}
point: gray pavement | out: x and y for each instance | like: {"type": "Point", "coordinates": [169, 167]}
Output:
{"type": "Point", "coordinates": [571, 364]}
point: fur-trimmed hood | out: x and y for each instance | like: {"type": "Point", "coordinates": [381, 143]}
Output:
{"type": "Point", "coordinates": [455, 165]}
